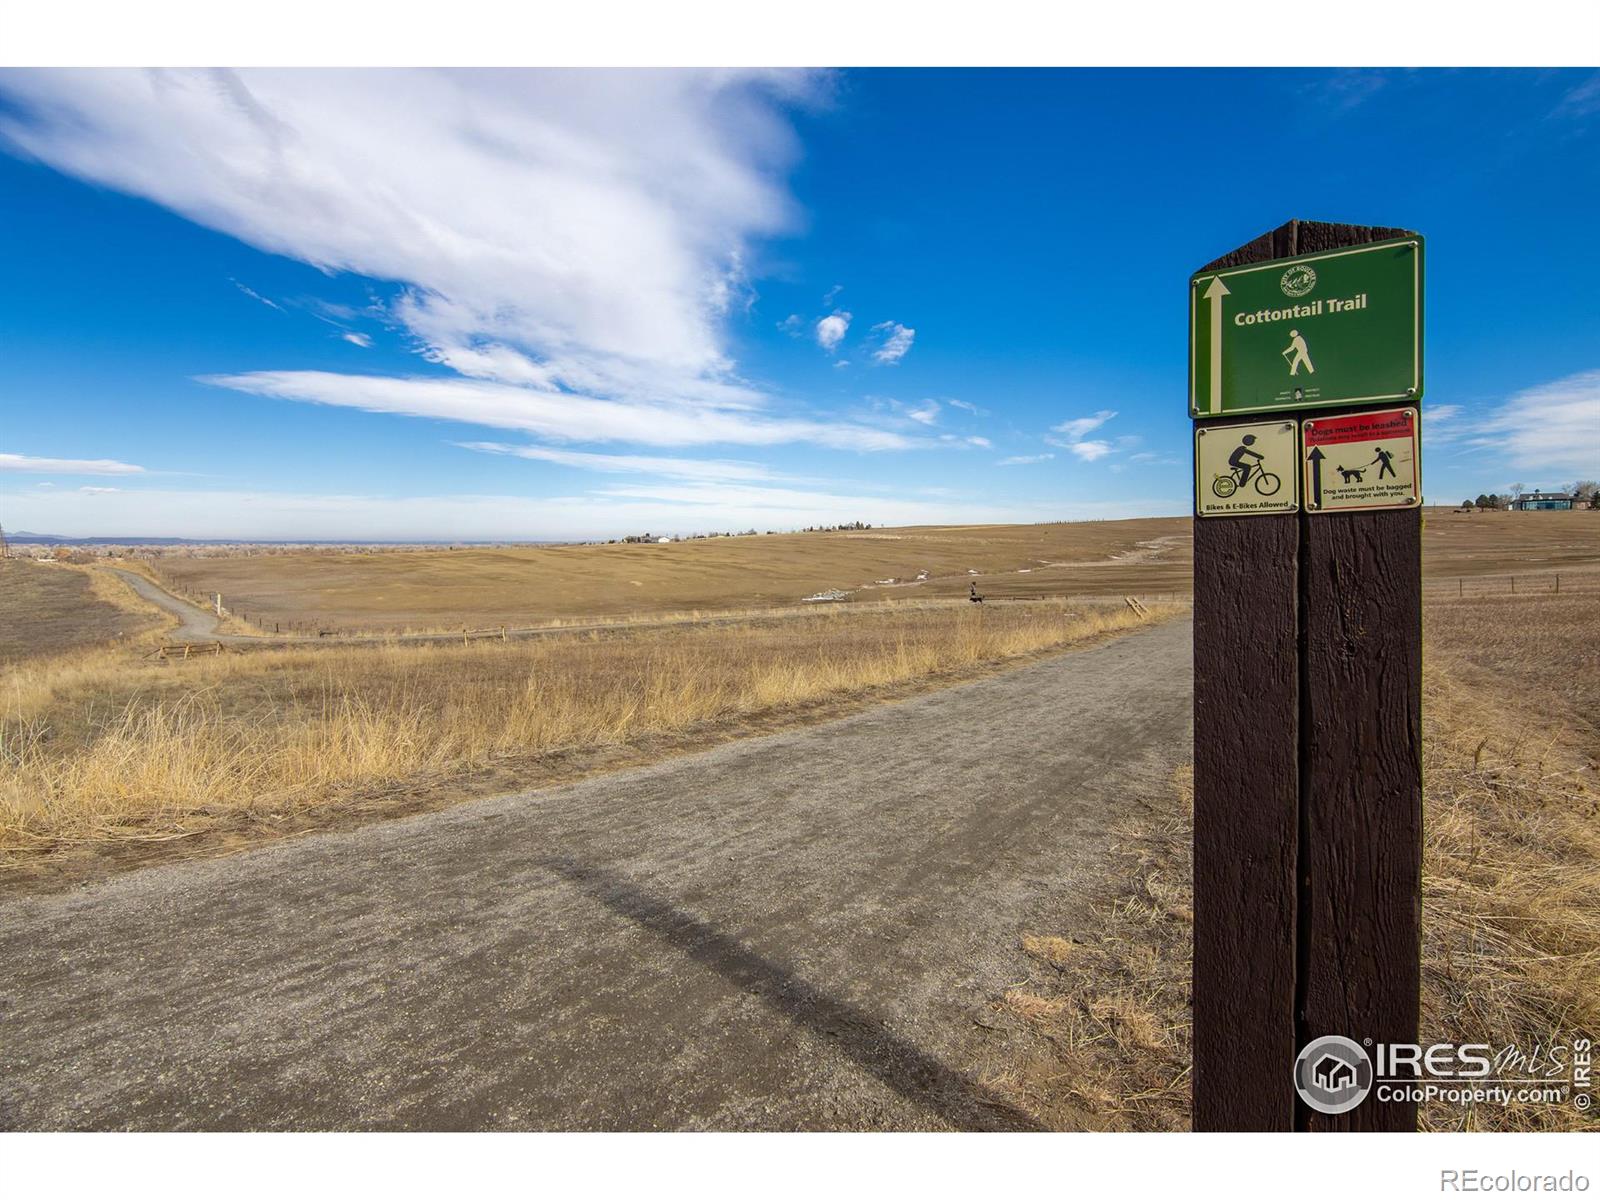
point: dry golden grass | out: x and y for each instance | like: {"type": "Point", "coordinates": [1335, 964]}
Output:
{"type": "Point", "coordinates": [397, 591]}
{"type": "Point", "coordinates": [107, 751]}
{"type": "Point", "coordinates": [50, 609]}
{"type": "Point", "coordinates": [421, 590]}
{"type": "Point", "coordinates": [1457, 544]}
{"type": "Point", "coordinates": [1108, 1009]}
{"type": "Point", "coordinates": [1511, 889]}
{"type": "Point", "coordinates": [1511, 861]}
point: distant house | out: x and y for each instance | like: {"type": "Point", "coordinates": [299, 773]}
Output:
{"type": "Point", "coordinates": [1534, 501]}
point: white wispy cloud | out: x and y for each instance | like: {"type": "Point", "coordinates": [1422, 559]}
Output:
{"type": "Point", "coordinates": [98, 491]}
{"type": "Point", "coordinates": [1343, 90]}
{"type": "Point", "coordinates": [255, 295]}
{"type": "Point", "coordinates": [1022, 460]}
{"type": "Point", "coordinates": [559, 415]}
{"type": "Point", "coordinates": [832, 328]}
{"type": "Point", "coordinates": [358, 339]}
{"type": "Point", "coordinates": [967, 406]}
{"type": "Point", "coordinates": [927, 413]}
{"type": "Point", "coordinates": [67, 466]}
{"type": "Point", "coordinates": [1552, 429]}
{"type": "Point", "coordinates": [1078, 428]}
{"type": "Point", "coordinates": [642, 464]}
{"type": "Point", "coordinates": [1089, 451]}
{"type": "Point", "coordinates": [557, 232]}
{"type": "Point", "coordinates": [1073, 435]}
{"type": "Point", "coordinates": [1581, 100]}
{"type": "Point", "coordinates": [897, 341]}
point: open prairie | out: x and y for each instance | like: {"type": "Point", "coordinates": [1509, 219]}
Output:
{"type": "Point", "coordinates": [368, 591]}
{"type": "Point", "coordinates": [49, 609]}
{"type": "Point", "coordinates": [108, 760]}
{"type": "Point", "coordinates": [1470, 545]}
{"type": "Point", "coordinates": [398, 590]}
{"type": "Point", "coordinates": [116, 752]}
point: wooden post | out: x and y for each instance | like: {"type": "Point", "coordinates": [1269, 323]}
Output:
{"type": "Point", "coordinates": [1308, 785]}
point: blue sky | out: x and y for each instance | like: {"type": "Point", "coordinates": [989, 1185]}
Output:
{"type": "Point", "coordinates": [571, 304]}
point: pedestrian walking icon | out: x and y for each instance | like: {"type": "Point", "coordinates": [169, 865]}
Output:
{"type": "Point", "coordinates": [1384, 462]}
{"type": "Point", "coordinates": [1296, 354]}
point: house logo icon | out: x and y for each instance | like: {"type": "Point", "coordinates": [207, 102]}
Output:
{"type": "Point", "coordinates": [1333, 1074]}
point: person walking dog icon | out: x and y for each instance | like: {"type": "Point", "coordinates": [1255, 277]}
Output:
{"type": "Point", "coordinates": [1296, 354]}
{"type": "Point", "coordinates": [1384, 462]}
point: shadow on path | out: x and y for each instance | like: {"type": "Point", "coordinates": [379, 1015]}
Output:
{"type": "Point", "coordinates": [915, 1075]}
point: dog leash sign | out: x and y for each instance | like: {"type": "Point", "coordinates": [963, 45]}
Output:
{"type": "Point", "coordinates": [1361, 461]}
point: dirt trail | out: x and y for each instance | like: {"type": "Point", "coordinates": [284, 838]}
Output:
{"type": "Point", "coordinates": [195, 624]}
{"type": "Point", "coordinates": [800, 931]}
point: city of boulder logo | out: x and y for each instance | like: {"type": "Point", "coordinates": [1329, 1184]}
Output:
{"type": "Point", "coordinates": [1333, 1074]}
{"type": "Point", "coordinates": [1298, 280]}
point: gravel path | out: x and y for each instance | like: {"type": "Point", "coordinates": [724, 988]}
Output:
{"type": "Point", "coordinates": [800, 931]}
{"type": "Point", "coordinates": [197, 624]}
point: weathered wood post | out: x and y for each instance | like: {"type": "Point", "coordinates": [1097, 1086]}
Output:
{"type": "Point", "coordinates": [1307, 660]}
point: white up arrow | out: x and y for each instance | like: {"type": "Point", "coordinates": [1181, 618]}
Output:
{"type": "Point", "coordinates": [1215, 293]}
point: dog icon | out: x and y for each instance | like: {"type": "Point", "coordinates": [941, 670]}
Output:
{"type": "Point", "coordinates": [1351, 476]}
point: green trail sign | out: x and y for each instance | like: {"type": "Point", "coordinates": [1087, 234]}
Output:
{"type": "Point", "coordinates": [1341, 327]}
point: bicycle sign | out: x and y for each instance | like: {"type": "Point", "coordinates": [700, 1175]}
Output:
{"type": "Point", "coordinates": [1246, 470]}
{"type": "Point", "coordinates": [1267, 484]}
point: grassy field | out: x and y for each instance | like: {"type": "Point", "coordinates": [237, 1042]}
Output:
{"type": "Point", "coordinates": [113, 751]}
{"type": "Point", "coordinates": [395, 591]}
{"type": "Point", "coordinates": [432, 589]}
{"type": "Point", "coordinates": [1476, 544]}
{"type": "Point", "coordinates": [1511, 887]}
{"type": "Point", "coordinates": [105, 758]}
{"type": "Point", "coordinates": [48, 610]}
{"type": "Point", "coordinates": [162, 749]}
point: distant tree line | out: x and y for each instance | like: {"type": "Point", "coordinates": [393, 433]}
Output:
{"type": "Point", "coordinates": [1582, 491]}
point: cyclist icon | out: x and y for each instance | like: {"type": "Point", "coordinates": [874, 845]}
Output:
{"type": "Point", "coordinates": [1236, 460]}
{"type": "Point", "coordinates": [1243, 470]}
